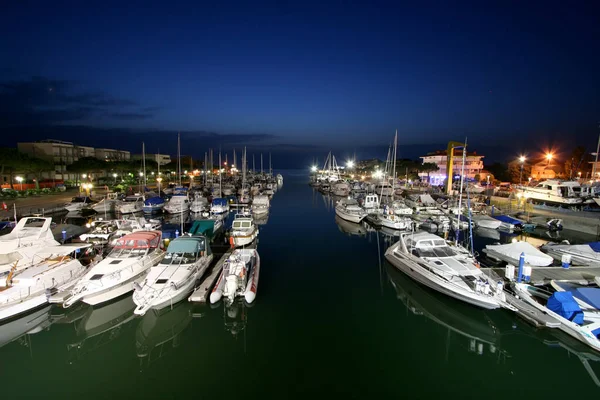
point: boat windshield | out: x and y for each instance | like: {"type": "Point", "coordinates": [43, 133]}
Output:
{"type": "Point", "coordinates": [241, 224]}
{"type": "Point", "coordinates": [127, 252]}
{"type": "Point", "coordinates": [132, 199]}
{"type": "Point", "coordinates": [179, 258]}
{"type": "Point", "coordinates": [437, 252]}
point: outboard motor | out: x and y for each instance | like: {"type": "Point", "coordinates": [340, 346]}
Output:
{"type": "Point", "coordinates": [555, 225]}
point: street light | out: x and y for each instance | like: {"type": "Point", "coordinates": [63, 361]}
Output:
{"type": "Point", "coordinates": [313, 168]}
{"type": "Point", "coordinates": [488, 180]}
{"type": "Point", "coordinates": [350, 164]}
{"type": "Point", "coordinates": [522, 160]}
{"type": "Point", "coordinates": [20, 180]}
{"type": "Point", "coordinates": [159, 180]}
{"type": "Point", "coordinates": [549, 157]}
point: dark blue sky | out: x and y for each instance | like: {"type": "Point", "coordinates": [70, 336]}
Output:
{"type": "Point", "coordinates": [300, 78]}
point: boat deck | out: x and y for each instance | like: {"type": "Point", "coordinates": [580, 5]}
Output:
{"type": "Point", "coordinates": [200, 294]}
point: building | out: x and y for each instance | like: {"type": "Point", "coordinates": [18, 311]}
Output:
{"type": "Point", "coordinates": [473, 165]}
{"type": "Point", "coordinates": [161, 159]}
{"type": "Point", "coordinates": [545, 170]}
{"type": "Point", "coordinates": [63, 154]}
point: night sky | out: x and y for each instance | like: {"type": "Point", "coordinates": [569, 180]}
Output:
{"type": "Point", "coordinates": [298, 79]}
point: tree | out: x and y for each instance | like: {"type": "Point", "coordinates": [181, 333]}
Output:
{"type": "Point", "coordinates": [579, 161]}
{"type": "Point", "coordinates": [10, 161]}
{"type": "Point", "coordinates": [35, 166]}
{"type": "Point", "coordinates": [88, 165]}
{"type": "Point", "coordinates": [514, 171]}
{"type": "Point", "coordinates": [428, 168]}
{"type": "Point", "coordinates": [500, 171]}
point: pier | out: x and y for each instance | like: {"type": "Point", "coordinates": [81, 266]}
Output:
{"type": "Point", "coordinates": [200, 294]}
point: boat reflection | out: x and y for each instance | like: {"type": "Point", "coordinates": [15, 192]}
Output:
{"type": "Point", "coordinates": [575, 348]}
{"type": "Point", "coordinates": [100, 326]}
{"type": "Point", "coordinates": [261, 219]}
{"type": "Point", "coordinates": [160, 331]}
{"type": "Point", "coordinates": [350, 228]}
{"type": "Point", "coordinates": [473, 324]}
{"type": "Point", "coordinates": [20, 328]}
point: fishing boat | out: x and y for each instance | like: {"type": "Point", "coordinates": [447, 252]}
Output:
{"type": "Point", "coordinates": [177, 204]}
{"type": "Point", "coordinates": [239, 277]}
{"type": "Point", "coordinates": [173, 279]}
{"type": "Point", "coordinates": [131, 204]}
{"type": "Point", "coordinates": [129, 261]}
{"type": "Point", "coordinates": [56, 269]}
{"type": "Point", "coordinates": [371, 203]}
{"type": "Point", "coordinates": [260, 205]}
{"type": "Point", "coordinates": [153, 205]}
{"type": "Point", "coordinates": [446, 267]}
{"type": "Point", "coordinates": [582, 324]}
{"type": "Point", "coordinates": [243, 230]}
{"type": "Point", "coordinates": [579, 254]}
{"type": "Point", "coordinates": [349, 210]}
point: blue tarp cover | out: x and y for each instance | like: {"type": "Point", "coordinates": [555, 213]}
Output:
{"type": "Point", "coordinates": [589, 295]}
{"type": "Point", "coordinates": [154, 200]}
{"type": "Point", "coordinates": [565, 305]}
{"type": "Point", "coordinates": [219, 201]}
{"type": "Point", "coordinates": [595, 246]}
{"type": "Point", "coordinates": [508, 220]}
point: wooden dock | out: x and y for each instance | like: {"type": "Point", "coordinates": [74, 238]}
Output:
{"type": "Point", "coordinates": [201, 293]}
{"type": "Point", "coordinates": [543, 275]}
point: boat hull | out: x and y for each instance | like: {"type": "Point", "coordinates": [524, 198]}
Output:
{"type": "Point", "coordinates": [349, 217]}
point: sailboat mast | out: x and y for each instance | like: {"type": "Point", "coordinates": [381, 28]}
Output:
{"type": "Point", "coordinates": [179, 157]}
{"type": "Point", "coordinates": [220, 195]}
{"type": "Point", "coordinates": [144, 162]}
{"type": "Point", "coordinates": [594, 168]}
{"type": "Point", "coordinates": [253, 165]}
{"type": "Point", "coordinates": [158, 178]}
{"type": "Point", "coordinates": [261, 164]}
{"type": "Point", "coordinates": [462, 178]}
{"type": "Point", "coordinates": [205, 168]}
{"type": "Point", "coordinates": [394, 164]}
{"type": "Point", "coordinates": [270, 165]}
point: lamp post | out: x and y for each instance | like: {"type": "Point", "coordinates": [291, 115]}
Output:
{"type": "Point", "coordinates": [549, 157]}
{"type": "Point", "coordinates": [115, 176]}
{"type": "Point", "coordinates": [159, 180]}
{"type": "Point", "coordinates": [20, 180]}
{"type": "Point", "coordinates": [522, 160]}
{"type": "Point", "coordinates": [488, 180]}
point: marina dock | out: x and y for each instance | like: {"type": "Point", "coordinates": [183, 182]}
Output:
{"type": "Point", "coordinates": [542, 275]}
{"type": "Point", "coordinates": [200, 295]}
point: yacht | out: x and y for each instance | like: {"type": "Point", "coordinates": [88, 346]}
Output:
{"type": "Point", "coordinates": [554, 192]}
{"type": "Point", "coordinates": [391, 220]}
{"type": "Point", "coordinates": [177, 204]}
{"type": "Point", "coordinates": [29, 236]}
{"type": "Point", "coordinates": [243, 230]}
{"type": "Point", "coordinates": [131, 204]}
{"type": "Point", "coordinates": [173, 279]}
{"type": "Point", "coordinates": [199, 204]}
{"type": "Point", "coordinates": [77, 203]}
{"type": "Point", "coordinates": [108, 204]}
{"type": "Point", "coordinates": [239, 277]}
{"type": "Point", "coordinates": [349, 210]}
{"type": "Point", "coordinates": [129, 261]}
{"type": "Point", "coordinates": [446, 268]}
{"type": "Point", "coordinates": [219, 205]}
{"type": "Point", "coordinates": [54, 270]}
{"type": "Point", "coordinates": [340, 188]}
{"type": "Point", "coordinates": [260, 205]}
{"type": "Point", "coordinates": [384, 189]}
{"type": "Point", "coordinates": [153, 205]}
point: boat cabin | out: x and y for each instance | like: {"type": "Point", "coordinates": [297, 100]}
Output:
{"type": "Point", "coordinates": [186, 250]}
{"type": "Point", "coordinates": [136, 244]}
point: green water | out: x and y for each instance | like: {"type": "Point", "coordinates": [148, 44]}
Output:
{"type": "Point", "coordinates": [332, 320]}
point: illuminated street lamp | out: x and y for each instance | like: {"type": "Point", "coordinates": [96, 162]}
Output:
{"type": "Point", "coordinates": [522, 160]}
{"type": "Point", "coordinates": [549, 157]}
{"type": "Point", "coordinates": [488, 180]}
{"type": "Point", "coordinates": [20, 180]}
{"type": "Point", "coordinates": [313, 168]}
{"type": "Point", "coordinates": [159, 180]}
{"type": "Point", "coordinates": [115, 176]}
{"type": "Point", "coordinates": [350, 164]}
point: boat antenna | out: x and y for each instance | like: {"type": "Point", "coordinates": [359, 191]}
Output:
{"type": "Point", "coordinates": [462, 179]}
{"type": "Point", "coordinates": [394, 164]}
{"type": "Point", "coordinates": [596, 161]}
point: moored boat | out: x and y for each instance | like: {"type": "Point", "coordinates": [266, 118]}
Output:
{"type": "Point", "coordinates": [349, 210]}
{"type": "Point", "coordinates": [239, 277]}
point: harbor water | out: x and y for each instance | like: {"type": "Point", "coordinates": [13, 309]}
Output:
{"type": "Point", "coordinates": [332, 319]}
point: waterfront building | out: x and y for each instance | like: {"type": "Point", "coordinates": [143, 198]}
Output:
{"type": "Point", "coordinates": [473, 165]}
{"type": "Point", "coordinates": [161, 159]}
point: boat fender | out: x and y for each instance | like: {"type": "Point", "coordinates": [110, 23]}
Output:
{"type": "Point", "coordinates": [231, 242]}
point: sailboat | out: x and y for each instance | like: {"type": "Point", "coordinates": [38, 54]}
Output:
{"type": "Point", "coordinates": [179, 202]}
{"type": "Point", "coordinates": [155, 203]}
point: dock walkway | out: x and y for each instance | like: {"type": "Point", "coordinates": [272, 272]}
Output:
{"type": "Point", "coordinates": [200, 294]}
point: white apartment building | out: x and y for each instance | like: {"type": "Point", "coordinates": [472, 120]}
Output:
{"type": "Point", "coordinates": [473, 165]}
{"type": "Point", "coordinates": [161, 159]}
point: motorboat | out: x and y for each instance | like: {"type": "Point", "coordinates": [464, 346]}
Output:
{"type": "Point", "coordinates": [350, 228]}
{"type": "Point", "coordinates": [78, 203]}
{"type": "Point", "coordinates": [243, 230]}
{"type": "Point", "coordinates": [28, 237]}
{"type": "Point", "coordinates": [384, 189]}
{"type": "Point", "coordinates": [177, 204]}
{"type": "Point", "coordinates": [446, 267]}
{"type": "Point", "coordinates": [511, 253]}
{"type": "Point", "coordinates": [349, 210]}
{"type": "Point", "coordinates": [485, 221]}
{"type": "Point", "coordinates": [219, 205]}
{"type": "Point", "coordinates": [420, 202]}
{"type": "Point", "coordinates": [108, 204]}
{"type": "Point", "coordinates": [340, 188]}
{"type": "Point", "coordinates": [239, 277]}
{"type": "Point", "coordinates": [153, 205]}
{"type": "Point", "coordinates": [371, 203]}
{"type": "Point", "coordinates": [508, 223]}
{"type": "Point", "coordinates": [554, 192]}
{"type": "Point", "coordinates": [131, 204]}
{"type": "Point", "coordinates": [579, 254]}
{"type": "Point", "coordinates": [199, 204]}
{"type": "Point", "coordinates": [55, 269]}
{"type": "Point", "coordinates": [101, 233]}
{"type": "Point", "coordinates": [391, 220]}
{"type": "Point", "coordinates": [260, 205]}
{"type": "Point", "coordinates": [129, 262]}
{"type": "Point", "coordinates": [587, 296]}
{"type": "Point", "coordinates": [173, 279]}
{"type": "Point", "coordinates": [279, 178]}
{"type": "Point", "coordinates": [399, 207]}
{"type": "Point", "coordinates": [579, 322]}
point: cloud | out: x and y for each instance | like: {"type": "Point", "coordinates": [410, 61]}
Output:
{"type": "Point", "coordinates": [41, 100]}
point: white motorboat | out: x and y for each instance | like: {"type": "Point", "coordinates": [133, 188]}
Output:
{"type": "Point", "coordinates": [177, 204]}
{"type": "Point", "coordinates": [350, 228]}
{"type": "Point", "coordinates": [28, 288]}
{"type": "Point", "coordinates": [580, 254]}
{"type": "Point", "coordinates": [420, 202]}
{"type": "Point", "coordinates": [102, 232]}
{"type": "Point", "coordinates": [384, 189]}
{"type": "Point", "coordinates": [391, 220]}
{"type": "Point", "coordinates": [153, 205]}
{"type": "Point", "coordinates": [371, 204]}
{"type": "Point", "coordinates": [399, 207]}
{"type": "Point", "coordinates": [239, 277]}
{"type": "Point", "coordinates": [511, 253]}
{"type": "Point", "coordinates": [29, 236]}
{"type": "Point", "coordinates": [128, 262]}
{"type": "Point", "coordinates": [199, 204]}
{"type": "Point", "coordinates": [554, 192]}
{"type": "Point", "coordinates": [243, 230]}
{"type": "Point", "coordinates": [349, 210]}
{"type": "Point", "coordinates": [78, 203]}
{"type": "Point", "coordinates": [447, 268]}
{"type": "Point", "coordinates": [340, 188]}
{"type": "Point", "coordinates": [228, 189]}
{"type": "Point", "coordinates": [219, 205]}
{"type": "Point", "coordinates": [260, 205]}
{"type": "Point", "coordinates": [108, 204]}
{"type": "Point", "coordinates": [173, 279]}
{"type": "Point", "coordinates": [131, 204]}
{"type": "Point", "coordinates": [279, 178]}
{"type": "Point", "coordinates": [485, 221]}
{"type": "Point", "coordinates": [579, 322]}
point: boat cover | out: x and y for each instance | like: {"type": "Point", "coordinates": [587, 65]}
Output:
{"type": "Point", "coordinates": [591, 295]}
{"type": "Point", "coordinates": [565, 305]}
{"type": "Point", "coordinates": [219, 201]}
{"type": "Point", "coordinates": [508, 220]}
{"type": "Point", "coordinates": [595, 246]}
{"type": "Point", "coordinates": [513, 251]}
{"type": "Point", "coordinates": [187, 245]}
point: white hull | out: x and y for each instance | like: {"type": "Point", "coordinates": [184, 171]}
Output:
{"type": "Point", "coordinates": [153, 208]}
{"type": "Point", "coordinates": [349, 217]}
{"type": "Point", "coordinates": [241, 241]}
{"type": "Point", "coordinates": [130, 208]}
{"type": "Point", "coordinates": [176, 210]}
{"type": "Point", "coordinates": [105, 206]}
{"type": "Point", "coordinates": [260, 211]}
{"type": "Point", "coordinates": [597, 200]}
